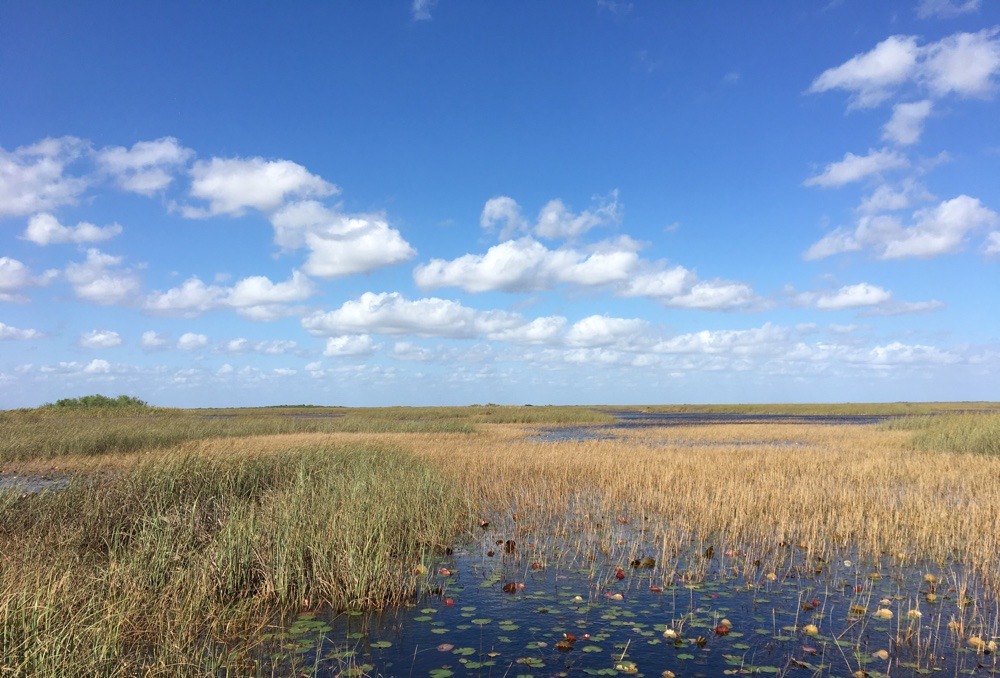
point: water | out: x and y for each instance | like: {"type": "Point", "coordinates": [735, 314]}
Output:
{"type": "Point", "coordinates": [636, 420]}
{"type": "Point", "coordinates": [500, 616]}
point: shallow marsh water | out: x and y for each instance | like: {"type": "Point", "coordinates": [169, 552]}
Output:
{"type": "Point", "coordinates": [504, 616]}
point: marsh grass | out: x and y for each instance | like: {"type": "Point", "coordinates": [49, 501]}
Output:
{"type": "Point", "coordinates": [175, 565]}
{"type": "Point", "coordinates": [835, 409]}
{"type": "Point", "coordinates": [174, 561]}
{"type": "Point", "coordinates": [50, 433]}
{"type": "Point", "coordinates": [961, 433]}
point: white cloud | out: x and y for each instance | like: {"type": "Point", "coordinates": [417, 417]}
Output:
{"type": "Point", "coordinates": [97, 366]}
{"type": "Point", "coordinates": [257, 290]}
{"type": "Point", "coordinates": [350, 345]}
{"type": "Point", "coordinates": [525, 264]}
{"type": "Point", "coordinates": [254, 297]}
{"type": "Point", "coordinates": [339, 244]}
{"type": "Point", "coordinates": [939, 230]}
{"type": "Point", "coordinates": [872, 76]}
{"type": "Point", "coordinates": [907, 122]}
{"type": "Point", "coordinates": [945, 8]}
{"type": "Point", "coordinates": [230, 185]}
{"type": "Point", "coordinates": [855, 167]}
{"type": "Point", "coordinates": [544, 330]}
{"type": "Point", "coordinates": [503, 210]}
{"type": "Point", "coordinates": [188, 300]}
{"type": "Point", "coordinates": [963, 63]}
{"type": "Point", "coordinates": [190, 341]}
{"type": "Point", "coordinates": [555, 220]}
{"type": "Point", "coordinates": [991, 246]}
{"type": "Point", "coordinates": [44, 229]}
{"type": "Point", "coordinates": [99, 280]}
{"type": "Point", "coordinates": [273, 347]}
{"type": "Point", "coordinates": [678, 287]}
{"type": "Point", "coordinates": [765, 339]}
{"type": "Point", "coordinates": [393, 314]}
{"type": "Point", "coordinates": [420, 10]}
{"type": "Point", "coordinates": [853, 296]}
{"type": "Point", "coordinates": [889, 198]}
{"type": "Point", "coordinates": [15, 277]}
{"type": "Point", "coordinates": [145, 168]}
{"type": "Point", "coordinates": [152, 340]}
{"type": "Point", "coordinates": [32, 177]}
{"type": "Point", "coordinates": [405, 350]}
{"type": "Point", "coordinates": [897, 353]}
{"type": "Point", "coordinates": [9, 332]}
{"type": "Point", "coordinates": [100, 339]}
{"type": "Point", "coordinates": [599, 330]}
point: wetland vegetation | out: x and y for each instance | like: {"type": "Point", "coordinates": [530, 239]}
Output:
{"type": "Point", "coordinates": [451, 541]}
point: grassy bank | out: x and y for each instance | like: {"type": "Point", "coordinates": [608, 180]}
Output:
{"type": "Point", "coordinates": [175, 565]}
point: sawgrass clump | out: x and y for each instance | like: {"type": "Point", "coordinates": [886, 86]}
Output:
{"type": "Point", "coordinates": [176, 564]}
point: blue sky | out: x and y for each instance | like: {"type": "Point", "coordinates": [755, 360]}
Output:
{"type": "Point", "coordinates": [442, 202]}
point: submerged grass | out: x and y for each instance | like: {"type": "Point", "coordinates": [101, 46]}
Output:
{"type": "Point", "coordinates": [170, 566]}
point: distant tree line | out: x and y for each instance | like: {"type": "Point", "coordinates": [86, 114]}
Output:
{"type": "Point", "coordinates": [98, 401]}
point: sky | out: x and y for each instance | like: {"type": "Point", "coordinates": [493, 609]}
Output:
{"type": "Point", "coordinates": [434, 202]}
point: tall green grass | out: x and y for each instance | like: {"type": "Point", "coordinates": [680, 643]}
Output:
{"type": "Point", "coordinates": [963, 433]}
{"type": "Point", "coordinates": [175, 566]}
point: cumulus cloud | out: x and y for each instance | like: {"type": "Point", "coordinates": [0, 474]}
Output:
{"type": "Point", "coordinates": [405, 350]}
{"type": "Point", "coordinates": [254, 297]}
{"type": "Point", "coordinates": [147, 167]}
{"type": "Point", "coordinates": [44, 229]}
{"type": "Point", "coordinates": [33, 178]}
{"type": "Point", "coordinates": [15, 277]}
{"type": "Point", "coordinates": [555, 220]}
{"type": "Point", "coordinates": [100, 339]}
{"type": "Point", "coordinates": [544, 330]}
{"type": "Point", "coordinates": [907, 122]}
{"type": "Point", "coordinates": [939, 230]}
{"type": "Point", "coordinates": [350, 345]}
{"type": "Point", "coordinates": [765, 339]}
{"type": "Point", "coordinates": [16, 333]}
{"type": "Point", "coordinates": [190, 341]}
{"type": "Point", "coordinates": [153, 340]}
{"type": "Point", "coordinates": [856, 167]}
{"type": "Point", "coordinates": [927, 9]}
{"type": "Point", "coordinates": [273, 347]}
{"type": "Point", "coordinates": [963, 64]}
{"type": "Point", "coordinates": [101, 280]}
{"type": "Point", "coordinates": [897, 353]}
{"type": "Point", "coordinates": [991, 246]}
{"type": "Point", "coordinates": [891, 198]}
{"type": "Point", "coordinates": [852, 296]}
{"type": "Point", "coordinates": [600, 330]}
{"type": "Point", "coordinates": [526, 264]}
{"type": "Point", "coordinates": [393, 314]}
{"type": "Point", "coordinates": [871, 77]}
{"type": "Point", "coordinates": [230, 185]}
{"type": "Point", "coordinates": [339, 244]}
{"type": "Point", "coordinates": [679, 287]}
